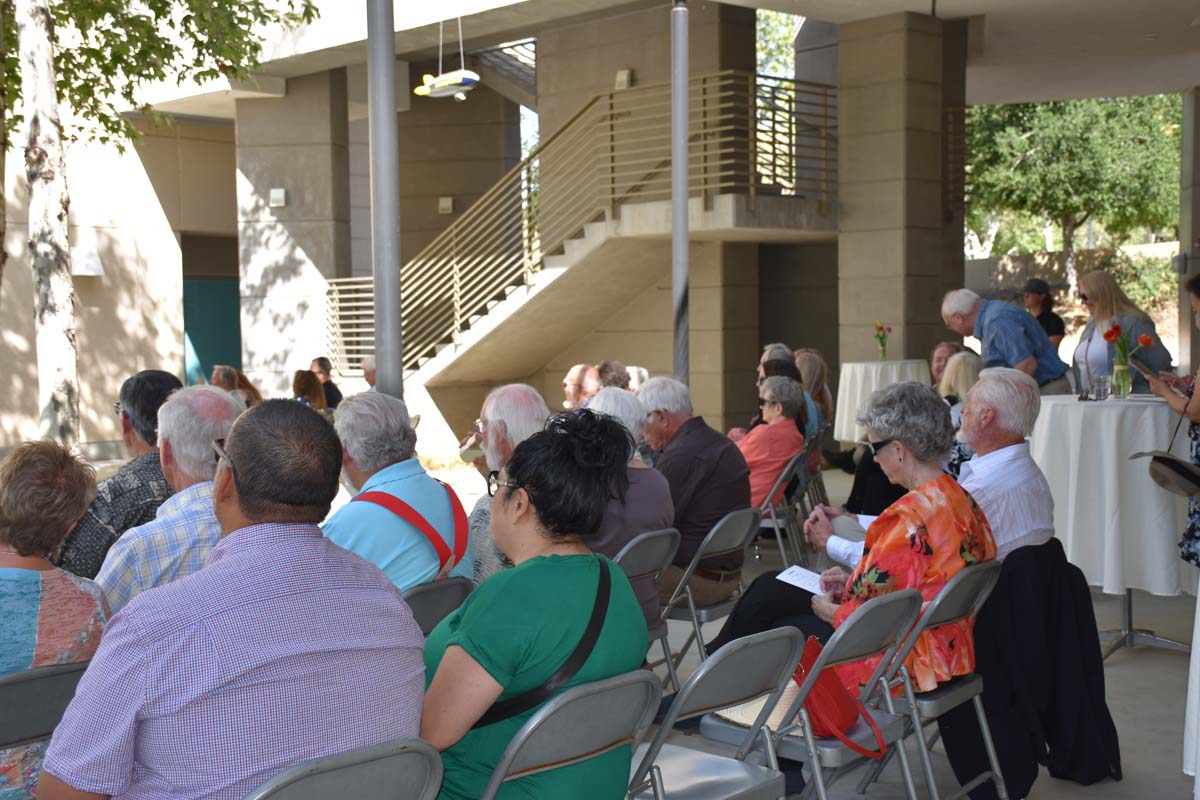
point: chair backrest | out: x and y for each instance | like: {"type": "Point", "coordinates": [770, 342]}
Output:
{"type": "Point", "coordinates": [648, 553]}
{"type": "Point", "coordinates": [789, 471]}
{"type": "Point", "coordinates": [404, 770]}
{"type": "Point", "coordinates": [731, 534]}
{"type": "Point", "coordinates": [34, 700]}
{"type": "Point", "coordinates": [432, 602]}
{"type": "Point", "coordinates": [581, 723]}
{"type": "Point", "coordinates": [742, 670]}
{"type": "Point", "coordinates": [961, 597]}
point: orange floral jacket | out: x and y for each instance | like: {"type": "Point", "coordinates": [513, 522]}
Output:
{"type": "Point", "coordinates": [921, 541]}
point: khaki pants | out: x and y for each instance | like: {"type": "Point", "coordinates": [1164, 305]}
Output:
{"type": "Point", "coordinates": [705, 591]}
{"type": "Point", "coordinates": [1057, 386]}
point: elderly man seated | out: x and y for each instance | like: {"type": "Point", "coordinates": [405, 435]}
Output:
{"type": "Point", "coordinates": [176, 543]}
{"type": "Point", "coordinates": [282, 649]}
{"type": "Point", "coordinates": [410, 525]}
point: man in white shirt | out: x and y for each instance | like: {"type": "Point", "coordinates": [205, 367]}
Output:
{"type": "Point", "coordinates": [1008, 485]}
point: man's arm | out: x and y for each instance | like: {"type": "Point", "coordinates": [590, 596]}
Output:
{"type": "Point", "coordinates": [1028, 366]}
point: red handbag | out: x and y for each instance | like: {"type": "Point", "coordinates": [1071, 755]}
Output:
{"type": "Point", "coordinates": [832, 710]}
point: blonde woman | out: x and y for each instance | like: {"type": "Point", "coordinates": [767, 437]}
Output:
{"type": "Point", "coordinates": [961, 373]}
{"type": "Point", "coordinates": [1109, 306]}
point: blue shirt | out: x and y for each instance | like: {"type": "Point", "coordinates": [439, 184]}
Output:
{"type": "Point", "coordinates": [1009, 335]}
{"type": "Point", "coordinates": [387, 541]}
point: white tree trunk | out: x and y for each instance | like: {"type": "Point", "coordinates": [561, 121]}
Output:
{"type": "Point", "coordinates": [45, 167]}
{"type": "Point", "coordinates": [3, 152]}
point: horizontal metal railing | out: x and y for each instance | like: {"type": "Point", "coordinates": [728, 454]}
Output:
{"type": "Point", "coordinates": [748, 135]}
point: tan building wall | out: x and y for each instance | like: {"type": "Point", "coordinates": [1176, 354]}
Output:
{"type": "Point", "coordinates": [798, 298]}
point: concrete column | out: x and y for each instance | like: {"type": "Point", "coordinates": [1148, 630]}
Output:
{"type": "Point", "coordinates": [299, 144]}
{"type": "Point", "coordinates": [1189, 225]}
{"type": "Point", "coordinates": [723, 298]}
{"type": "Point", "coordinates": [890, 224]}
{"type": "Point", "coordinates": [954, 151]}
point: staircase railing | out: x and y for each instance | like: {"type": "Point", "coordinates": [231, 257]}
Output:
{"type": "Point", "coordinates": [748, 135]}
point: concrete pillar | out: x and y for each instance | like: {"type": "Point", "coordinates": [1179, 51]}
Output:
{"type": "Point", "coordinates": [890, 223]}
{"type": "Point", "coordinates": [298, 144]}
{"type": "Point", "coordinates": [954, 151]}
{"type": "Point", "coordinates": [723, 298]}
{"type": "Point", "coordinates": [1189, 225]}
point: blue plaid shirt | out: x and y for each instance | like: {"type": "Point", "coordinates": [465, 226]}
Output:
{"type": "Point", "coordinates": [174, 544]}
{"type": "Point", "coordinates": [1008, 335]}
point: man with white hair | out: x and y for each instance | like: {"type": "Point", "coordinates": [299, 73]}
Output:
{"type": "Point", "coordinates": [184, 529]}
{"type": "Point", "coordinates": [1008, 336]}
{"type": "Point", "coordinates": [368, 368]}
{"type": "Point", "coordinates": [708, 478]}
{"type": "Point", "coordinates": [580, 383]}
{"type": "Point", "coordinates": [407, 523]}
{"type": "Point", "coordinates": [510, 415]}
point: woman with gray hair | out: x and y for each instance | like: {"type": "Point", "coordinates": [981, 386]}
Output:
{"type": "Point", "coordinates": [921, 541]}
{"type": "Point", "coordinates": [768, 448]}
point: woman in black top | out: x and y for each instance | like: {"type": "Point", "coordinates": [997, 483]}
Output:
{"type": "Point", "coordinates": [1040, 302]}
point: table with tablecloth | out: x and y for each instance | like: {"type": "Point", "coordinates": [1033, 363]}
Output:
{"type": "Point", "coordinates": [859, 379]}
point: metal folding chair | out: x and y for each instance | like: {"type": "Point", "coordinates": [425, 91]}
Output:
{"type": "Point", "coordinates": [648, 555]}
{"type": "Point", "coordinates": [783, 516]}
{"type": "Point", "coordinates": [403, 770]}
{"type": "Point", "coordinates": [877, 627]}
{"type": "Point", "coordinates": [740, 671]}
{"type": "Point", "coordinates": [732, 534]}
{"type": "Point", "coordinates": [432, 602]}
{"type": "Point", "coordinates": [34, 700]}
{"type": "Point", "coordinates": [962, 597]}
{"type": "Point", "coordinates": [581, 723]}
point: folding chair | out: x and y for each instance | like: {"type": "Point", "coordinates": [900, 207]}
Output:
{"type": "Point", "coordinates": [583, 722]}
{"type": "Point", "coordinates": [648, 555]}
{"type": "Point", "coordinates": [962, 597]}
{"type": "Point", "coordinates": [404, 770]}
{"type": "Point", "coordinates": [34, 701]}
{"type": "Point", "coordinates": [877, 627]}
{"type": "Point", "coordinates": [432, 602]}
{"type": "Point", "coordinates": [732, 534]}
{"type": "Point", "coordinates": [742, 670]}
{"type": "Point", "coordinates": [783, 516]}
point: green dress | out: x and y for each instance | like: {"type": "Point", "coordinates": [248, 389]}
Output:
{"type": "Point", "coordinates": [521, 624]}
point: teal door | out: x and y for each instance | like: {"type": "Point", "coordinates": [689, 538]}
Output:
{"type": "Point", "coordinates": [212, 330]}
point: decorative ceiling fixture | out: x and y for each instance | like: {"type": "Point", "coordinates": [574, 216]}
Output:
{"type": "Point", "coordinates": [454, 84]}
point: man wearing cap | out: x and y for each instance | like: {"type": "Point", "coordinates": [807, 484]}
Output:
{"type": "Point", "coordinates": [1040, 302]}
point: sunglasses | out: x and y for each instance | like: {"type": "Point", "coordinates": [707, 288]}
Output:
{"type": "Point", "coordinates": [117, 408]}
{"type": "Point", "coordinates": [1083, 297]}
{"type": "Point", "coordinates": [876, 447]}
{"type": "Point", "coordinates": [762, 401]}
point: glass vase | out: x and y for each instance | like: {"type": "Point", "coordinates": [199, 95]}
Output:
{"type": "Point", "coordinates": [1122, 383]}
{"type": "Point", "coordinates": [882, 351]}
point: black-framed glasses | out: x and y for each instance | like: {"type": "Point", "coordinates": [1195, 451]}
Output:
{"type": "Point", "coordinates": [875, 447]}
{"type": "Point", "coordinates": [117, 408]}
{"type": "Point", "coordinates": [218, 447]}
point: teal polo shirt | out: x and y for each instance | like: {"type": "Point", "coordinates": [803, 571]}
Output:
{"type": "Point", "coordinates": [390, 543]}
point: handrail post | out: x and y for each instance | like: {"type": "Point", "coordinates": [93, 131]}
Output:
{"type": "Point", "coordinates": [456, 285]}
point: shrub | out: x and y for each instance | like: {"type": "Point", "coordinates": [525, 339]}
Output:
{"type": "Point", "coordinates": [1148, 280]}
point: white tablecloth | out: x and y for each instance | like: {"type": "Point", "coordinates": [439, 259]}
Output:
{"type": "Point", "coordinates": [1114, 522]}
{"type": "Point", "coordinates": [859, 379]}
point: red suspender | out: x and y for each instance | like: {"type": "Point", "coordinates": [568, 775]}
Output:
{"type": "Point", "coordinates": [407, 513]}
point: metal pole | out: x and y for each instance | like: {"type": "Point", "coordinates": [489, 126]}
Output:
{"type": "Point", "coordinates": [679, 184]}
{"type": "Point", "coordinates": [385, 196]}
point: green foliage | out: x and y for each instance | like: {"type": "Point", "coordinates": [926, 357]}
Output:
{"type": "Point", "coordinates": [106, 50]}
{"type": "Point", "coordinates": [775, 34]}
{"type": "Point", "coordinates": [1148, 281]}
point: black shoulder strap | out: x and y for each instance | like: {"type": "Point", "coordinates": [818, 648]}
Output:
{"type": "Point", "coordinates": [533, 698]}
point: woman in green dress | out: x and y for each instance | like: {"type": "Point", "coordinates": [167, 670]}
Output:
{"type": "Point", "coordinates": [522, 624]}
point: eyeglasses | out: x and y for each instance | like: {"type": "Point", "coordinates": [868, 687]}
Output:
{"type": "Point", "coordinates": [218, 447]}
{"type": "Point", "coordinates": [117, 408]}
{"type": "Point", "coordinates": [1083, 297]}
{"type": "Point", "coordinates": [762, 401]}
{"type": "Point", "coordinates": [494, 483]}
{"type": "Point", "coordinates": [479, 426]}
{"type": "Point", "coordinates": [875, 447]}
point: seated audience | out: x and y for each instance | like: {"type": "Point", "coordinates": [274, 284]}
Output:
{"type": "Point", "coordinates": [248, 391]}
{"type": "Point", "coordinates": [776, 351]}
{"type": "Point", "coordinates": [399, 508]}
{"type": "Point", "coordinates": [322, 367]}
{"type": "Point", "coordinates": [814, 376]}
{"type": "Point", "coordinates": [1107, 306]}
{"type": "Point", "coordinates": [708, 478]}
{"type": "Point", "coordinates": [807, 422]}
{"type": "Point", "coordinates": [1039, 301]}
{"type": "Point", "coordinates": [768, 448]}
{"type": "Point", "coordinates": [50, 616]}
{"type": "Point", "coordinates": [224, 377]}
{"type": "Point", "coordinates": [962, 370]}
{"type": "Point", "coordinates": [522, 624]}
{"type": "Point", "coordinates": [282, 649]}
{"type": "Point", "coordinates": [579, 384]}
{"type": "Point", "coordinates": [132, 496]}
{"type": "Point", "coordinates": [307, 389]}
{"type": "Point", "coordinates": [177, 541]}
{"type": "Point", "coordinates": [612, 373]}
{"type": "Point", "coordinates": [920, 542]}
{"type": "Point", "coordinates": [510, 415]}
{"type": "Point", "coordinates": [942, 352]}
{"type": "Point", "coordinates": [368, 370]}
{"type": "Point", "coordinates": [645, 504]}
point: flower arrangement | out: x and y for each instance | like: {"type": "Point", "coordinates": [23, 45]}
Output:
{"type": "Point", "coordinates": [881, 336]}
{"type": "Point", "coordinates": [1119, 339]}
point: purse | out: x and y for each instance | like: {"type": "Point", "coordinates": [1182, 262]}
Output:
{"type": "Point", "coordinates": [1170, 472]}
{"type": "Point", "coordinates": [832, 710]}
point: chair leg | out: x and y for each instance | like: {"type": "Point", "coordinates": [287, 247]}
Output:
{"type": "Point", "coordinates": [919, 730]}
{"type": "Point", "coordinates": [779, 541]}
{"type": "Point", "coordinates": [670, 661]}
{"type": "Point", "coordinates": [814, 759]}
{"type": "Point", "coordinates": [656, 784]}
{"type": "Point", "coordinates": [876, 770]}
{"type": "Point", "coordinates": [910, 788]}
{"type": "Point", "coordinates": [997, 776]}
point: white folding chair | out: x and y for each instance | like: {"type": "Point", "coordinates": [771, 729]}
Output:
{"type": "Point", "coordinates": [34, 701]}
{"type": "Point", "coordinates": [742, 670]}
{"type": "Point", "coordinates": [434, 601]}
{"type": "Point", "coordinates": [876, 628]}
{"type": "Point", "coordinates": [403, 770]}
{"type": "Point", "coordinates": [581, 723]}
{"type": "Point", "coordinates": [647, 556]}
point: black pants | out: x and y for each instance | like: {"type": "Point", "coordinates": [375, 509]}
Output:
{"type": "Point", "coordinates": [768, 604]}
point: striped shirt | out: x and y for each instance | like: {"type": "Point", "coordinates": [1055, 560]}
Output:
{"type": "Point", "coordinates": [283, 648]}
{"type": "Point", "coordinates": [172, 546]}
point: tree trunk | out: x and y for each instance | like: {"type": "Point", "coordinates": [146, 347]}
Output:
{"type": "Point", "coordinates": [3, 149]}
{"type": "Point", "coordinates": [1069, 224]}
{"type": "Point", "coordinates": [45, 168]}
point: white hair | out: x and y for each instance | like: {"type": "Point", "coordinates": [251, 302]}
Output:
{"type": "Point", "coordinates": [669, 394]}
{"type": "Point", "coordinates": [515, 412]}
{"type": "Point", "coordinates": [368, 363]}
{"type": "Point", "coordinates": [190, 420]}
{"type": "Point", "coordinates": [375, 429]}
{"type": "Point", "coordinates": [1013, 395]}
{"type": "Point", "coordinates": [622, 406]}
{"type": "Point", "coordinates": [777, 351]}
{"type": "Point", "coordinates": [637, 376]}
{"type": "Point", "coordinates": [959, 301]}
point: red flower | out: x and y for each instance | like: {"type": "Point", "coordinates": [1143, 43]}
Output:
{"type": "Point", "coordinates": [1145, 340]}
{"type": "Point", "coordinates": [1112, 334]}
{"type": "Point", "coordinates": [889, 328]}
{"type": "Point", "coordinates": [1116, 330]}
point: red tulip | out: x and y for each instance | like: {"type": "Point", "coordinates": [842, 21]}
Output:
{"type": "Point", "coordinates": [1116, 330]}
{"type": "Point", "coordinates": [1112, 334]}
{"type": "Point", "coordinates": [1145, 340]}
{"type": "Point", "coordinates": [889, 328]}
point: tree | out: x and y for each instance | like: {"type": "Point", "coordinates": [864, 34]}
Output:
{"type": "Point", "coordinates": [775, 37]}
{"type": "Point", "coordinates": [96, 61]}
{"type": "Point", "coordinates": [1114, 160]}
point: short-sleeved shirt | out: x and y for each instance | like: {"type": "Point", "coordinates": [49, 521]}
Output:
{"type": "Point", "coordinates": [520, 626]}
{"type": "Point", "coordinates": [386, 540]}
{"type": "Point", "coordinates": [767, 450]}
{"type": "Point", "coordinates": [282, 649]}
{"type": "Point", "coordinates": [1052, 323]}
{"type": "Point", "coordinates": [1008, 335]}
